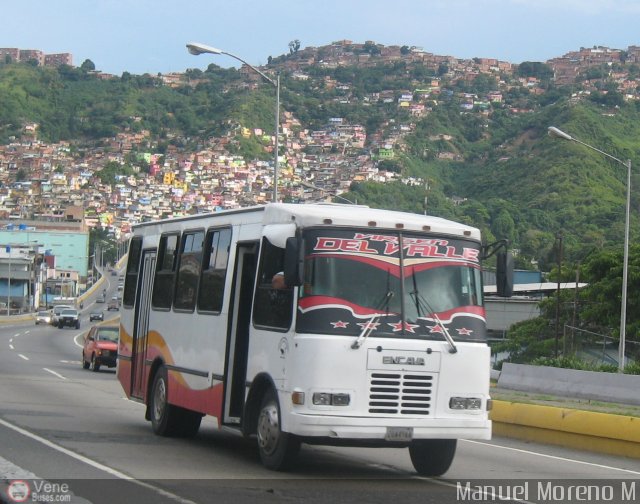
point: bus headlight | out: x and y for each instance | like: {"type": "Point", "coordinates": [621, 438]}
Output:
{"type": "Point", "coordinates": [465, 403]}
{"type": "Point", "coordinates": [328, 399]}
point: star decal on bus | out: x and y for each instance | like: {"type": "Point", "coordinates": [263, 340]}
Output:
{"type": "Point", "coordinates": [464, 331]}
{"type": "Point", "coordinates": [339, 324]}
{"type": "Point", "coordinates": [369, 326]}
{"type": "Point", "coordinates": [436, 329]}
{"type": "Point", "coordinates": [398, 326]}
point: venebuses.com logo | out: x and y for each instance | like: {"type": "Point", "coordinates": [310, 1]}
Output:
{"type": "Point", "coordinates": [38, 491]}
{"type": "Point", "coordinates": [19, 491]}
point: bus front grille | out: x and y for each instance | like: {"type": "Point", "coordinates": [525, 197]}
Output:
{"type": "Point", "coordinates": [400, 393]}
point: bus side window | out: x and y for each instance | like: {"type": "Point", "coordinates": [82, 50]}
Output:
{"type": "Point", "coordinates": [162, 296]}
{"type": "Point", "coordinates": [133, 265]}
{"type": "Point", "coordinates": [214, 270]}
{"type": "Point", "coordinates": [272, 307]}
{"type": "Point", "coordinates": [188, 273]}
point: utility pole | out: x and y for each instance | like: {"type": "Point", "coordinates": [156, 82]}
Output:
{"type": "Point", "coordinates": [559, 258]}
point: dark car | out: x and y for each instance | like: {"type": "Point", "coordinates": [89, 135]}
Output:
{"type": "Point", "coordinates": [69, 317]}
{"type": "Point", "coordinates": [100, 347]}
{"type": "Point", "coordinates": [96, 315]}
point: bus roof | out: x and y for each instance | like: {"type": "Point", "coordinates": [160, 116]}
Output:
{"type": "Point", "coordinates": [362, 216]}
{"type": "Point", "coordinates": [336, 214]}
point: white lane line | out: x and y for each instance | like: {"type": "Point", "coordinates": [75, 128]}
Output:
{"type": "Point", "coordinates": [553, 457]}
{"type": "Point", "coordinates": [11, 346]}
{"type": "Point", "coordinates": [77, 343]}
{"type": "Point", "coordinates": [10, 471]}
{"type": "Point", "coordinates": [93, 463]}
{"type": "Point", "coordinates": [23, 356]}
{"type": "Point", "coordinates": [54, 373]}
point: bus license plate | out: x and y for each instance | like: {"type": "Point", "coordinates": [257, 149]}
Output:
{"type": "Point", "coordinates": [399, 434]}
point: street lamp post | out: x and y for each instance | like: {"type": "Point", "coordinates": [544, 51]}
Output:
{"type": "Point", "coordinates": [197, 48]}
{"type": "Point", "coordinates": [9, 283]}
{"type": "Point", "coordinates": [336, 196]}
{"type": "Point", "coordinates": [557, 133]}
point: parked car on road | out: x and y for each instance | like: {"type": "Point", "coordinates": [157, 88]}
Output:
{"type": "Point", "coordinates": [96, 315]}
{"type": "Point", "coordinates": [69, 317]}
{"type": "Point", "coordinates": [43, 317]}
{"type": "Point", "coordinates": [100, 347]}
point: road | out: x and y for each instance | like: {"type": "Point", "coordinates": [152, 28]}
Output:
{"type": "Point", "coordinates": [71, 426]}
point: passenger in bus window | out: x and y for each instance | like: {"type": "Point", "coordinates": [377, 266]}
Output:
{"type": "Point", "coordinates": [277, 282]}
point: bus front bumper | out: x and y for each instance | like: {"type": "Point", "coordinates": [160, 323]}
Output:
{"type": "Point", "coordinates": [386, 428]}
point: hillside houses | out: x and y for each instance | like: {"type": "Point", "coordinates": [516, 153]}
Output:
{"type": "Point", "coordinates": [313, 164]}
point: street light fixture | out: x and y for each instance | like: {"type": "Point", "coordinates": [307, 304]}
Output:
{"type": "Point", "coordinates": [557, 133]}
{"type": "Point", "coordinates": [196, 48]}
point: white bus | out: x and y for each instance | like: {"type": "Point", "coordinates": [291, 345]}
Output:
{"type": "Point", "coordinates": [378, 337]}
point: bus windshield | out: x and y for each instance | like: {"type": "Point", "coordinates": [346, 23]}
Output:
{"type": "Point", "coordinates": [398, 285]}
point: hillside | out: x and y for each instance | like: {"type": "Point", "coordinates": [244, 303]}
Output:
{"type": "Point", "coordinates": [474, 149]}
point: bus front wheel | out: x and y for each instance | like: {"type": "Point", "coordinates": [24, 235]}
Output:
{"type": "Point", "coordinates": [278, 449]}
{"type": "Point", "coordinates": [432, 457]}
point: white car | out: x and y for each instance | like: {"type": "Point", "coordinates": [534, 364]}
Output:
{"type": "Point", "coordinates": [55, 314]}
{"type": "Point", "coordinates": [43, 317]}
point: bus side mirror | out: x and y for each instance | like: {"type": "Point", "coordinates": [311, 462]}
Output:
{"type": "Point", "coordinates": [293, 261]}
{"type": "Point", "coordinates": [504, 274]}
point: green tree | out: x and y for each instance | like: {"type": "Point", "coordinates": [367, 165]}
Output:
{"type": "Point", "coordinates": [87, 66]}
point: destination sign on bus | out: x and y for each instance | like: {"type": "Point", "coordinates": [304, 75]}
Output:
{"type": "Point", "coordinates": [389, 246]}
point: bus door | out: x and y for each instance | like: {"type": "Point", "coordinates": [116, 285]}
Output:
{"type": "Point", "coordinates": [141, 324]}
{"type": "Point", "coordinates": [238, 331]}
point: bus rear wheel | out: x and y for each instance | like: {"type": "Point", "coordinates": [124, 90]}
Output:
{"type": "Point", "coordinates": [432, 457]}
{"type": "Point", "coordinates": [278, 450]}
{"type": "Point", "coordinates": [164, 416]}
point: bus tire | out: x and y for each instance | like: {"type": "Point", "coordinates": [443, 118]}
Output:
{"type": "Point", "coordinates": [165, 418]}
{"type": "Point", "coordinates": [278, 450]}
{"type": "Point", "coordinates": [432, 457]}
{"type": "Point", "coordinates": [189, 423]}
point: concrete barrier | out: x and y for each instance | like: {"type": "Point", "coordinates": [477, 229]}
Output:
{"type": "Point", "coordinates": [594, 385]}
{"type": "Point", "coordinates": [584, 430]}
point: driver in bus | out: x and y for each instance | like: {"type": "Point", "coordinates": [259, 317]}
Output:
{"type": "Point", "coordinates": [277, 282]}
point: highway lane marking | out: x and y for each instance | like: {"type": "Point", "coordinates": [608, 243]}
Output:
{"type": "Point", "coordinates": [554, 457]}
{"type": "Point", "coordinates": [23, 356]}
{"type": "Point", "coordinates": [93, 463]}
{"type": "Point", "coordinates": [54, 373]}
{"type": "Point", "coordinates": [10, 471]}
{"type": "Point", "coordinates": [75, 340]}
{"type": "Point", "coordinates": [11, 346]}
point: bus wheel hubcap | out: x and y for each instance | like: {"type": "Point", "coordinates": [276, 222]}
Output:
{"type": "Point", "coordinates": [268, 428]}
{"type": "Point", "coordinates": [159, 400]}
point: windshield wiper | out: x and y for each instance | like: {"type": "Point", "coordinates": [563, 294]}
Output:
{"type": "Point", "coordinates": [371, 323]}
{"type": "Point", "coordinates": [419, 301]}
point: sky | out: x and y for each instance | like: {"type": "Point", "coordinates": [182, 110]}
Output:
{"type": "Point", "coordinates": [149, 36]}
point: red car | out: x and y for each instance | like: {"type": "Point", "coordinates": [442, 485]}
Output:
{"type": "Point", "coordinates": [100, 347]}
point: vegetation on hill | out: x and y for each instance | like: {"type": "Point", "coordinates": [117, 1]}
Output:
{"type": "Point", "coordinates": [501, 173]}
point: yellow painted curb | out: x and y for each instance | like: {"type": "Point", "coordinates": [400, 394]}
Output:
{"type": "Point", "coordinates": [586, 430]}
